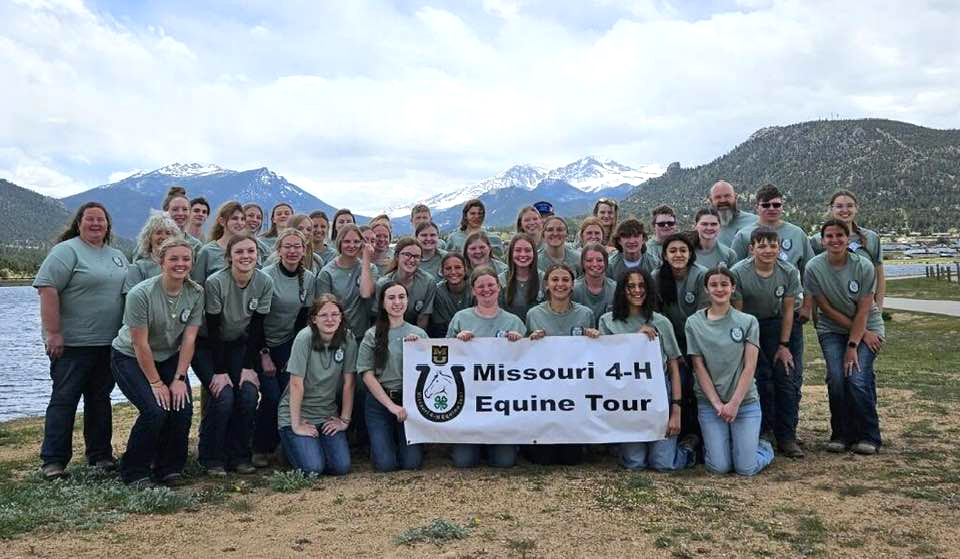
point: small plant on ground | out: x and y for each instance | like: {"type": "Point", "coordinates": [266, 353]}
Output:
{"type": "Point", "coordinates": [292, 481]}
{"type": "Point", "coordinates": [437, 532]}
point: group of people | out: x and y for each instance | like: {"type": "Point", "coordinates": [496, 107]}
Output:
{"type": "Point", "coordinates": [277, 325]}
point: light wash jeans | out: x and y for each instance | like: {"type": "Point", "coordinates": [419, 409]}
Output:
{"type": "Point", "coordinates": [734, 446]}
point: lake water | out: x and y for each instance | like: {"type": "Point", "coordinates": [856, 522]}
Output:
{"type": "Point", "coordinates": [25, 370]}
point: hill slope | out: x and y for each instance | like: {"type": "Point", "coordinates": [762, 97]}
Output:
{"type": "Point", "coordinates": [29, 219]}
{"type": "Point", "coordinates": [907, 177]}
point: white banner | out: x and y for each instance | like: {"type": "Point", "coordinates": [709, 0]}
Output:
{"type": "Point", "coordinates": [560, 389]}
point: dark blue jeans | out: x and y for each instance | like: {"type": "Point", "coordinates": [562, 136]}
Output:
{"type": "Point", "coordinates": [779, 391]}
{"type": "Point", "coordinates": [265, 434]}
{"type": "Point", "coordinates": [317, 455]}
{"type": "Point", "coordinates": [853, 399]}
{"type": "Point", "coordinates": [388, 442]}
{"type": "Point", "coordinates": [227, 424]}
{"type": "Point", "coordinates": [79, 371]}
{"type": "Point", "coordinates": [158, 439]}
{"type": "Point", "coordinates": [689, 418]}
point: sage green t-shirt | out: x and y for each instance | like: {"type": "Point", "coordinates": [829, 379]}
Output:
{"type": "Point", "coordinates": [326, 254]}
{"type": "Point", "coordinates": [457, 239]}
{"type": "Point", "coordinates": [668, 342]}
{"type": "Point", "coordinates": [164, 317]}
{"type": "Point", "coordinates": [709, 259]}
{"type": "Point", "coordinates": [498, 267]}
{"type": "Point", "coordinates": [655, 251]}
{"type": "Point", "coordinates": [722, 343]}
{"type": "Point", "coordinates": [599, 303]}
{"type": "Point", "coordinates": [432, 265]}
{"type": "Point", "coordinates": [794, 244]}
{"type": "Point", "coordinates": [865, 243]}
{"type": "Point", "coordinates": [195, 243]}
{"type": "Point", "coordinates": [420, 296]}
{"type": "Point", "coordinates": [322, 373]}
{"type": "Point", "coordinates": [344, 283]}
{"type": "Point", "coordinates": [290, 294]}
{"type": "Point", "coordinates": [139, 270]}
{"type": "Point", "coordinates": [571, 323]}
{"type": "Point", "coordinates": [763, 297]}
{"type": "Point", "coordinates": [571, 258]}
{"type": "Point", "coordinates": [843, 289]}
{"type": "Point", "coordinates": [89, 281]}
{"type": "Point", "coordinates": [496, 326]}
{"type": "Point", "coordinates": [520, 305]}
{"type": "Point", "coordinates": [236, 305]}
{"type": "Point", "coordinates": [209, 260]}
{"type": "Point", "coordinates": [729, 231]}
{"type": "Point", "coordinates": [618, 265]}
{"type": "Point", "coordinates": [446, 303]}
{"type": "Point", "coordinates": [691, 296]}
{"type": "Point", "coordinates": [391, 376]}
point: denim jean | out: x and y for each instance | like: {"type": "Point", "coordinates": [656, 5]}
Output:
{"type": "Point", "coordinates": [734, 446]}
{"type": "Point", "coordinates": [79, 371]}
{"type": "Point", "coordinates": [779, 391]}
{"type": "Point", "coordinates": [227, 424]}
{"type": "Point", "coordinates": [326, 454]}
{"type": "Point", "coordinates": [388, 443]}
{"type": "Point", "coordinates": [663, 455]}
{"type": "Point", "coordinates": [853, 399]}
{"type": "Point", "coordinates": [158, 439]}
{"type": "Point", "coordinates": [469, 455]}
{"type": "Point", "coordinates": [265, 434]}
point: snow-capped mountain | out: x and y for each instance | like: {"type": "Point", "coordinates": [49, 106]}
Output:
{"type": "Point", "coordinates": [588, 174]}
{"type": "Point", "coordinates": [132, 198]}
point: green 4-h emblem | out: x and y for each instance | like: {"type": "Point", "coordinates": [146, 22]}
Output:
{"type": "Point", "coordinates": [440, 392]}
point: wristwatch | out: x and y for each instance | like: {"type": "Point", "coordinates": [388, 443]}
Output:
{"type": "Point", "coordinates": [785, 344]}
{"type": "Point", "coordinates": [265, 351]}
{"type": "Point", "coordinates": [852, 345]}
{"type": "Point", "coordinates": [181, 377]}
{"type": "Point", "coordinates": [677, 402]}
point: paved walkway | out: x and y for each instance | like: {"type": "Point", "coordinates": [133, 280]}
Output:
{"type": "Point", "coordinates": [949, 308]}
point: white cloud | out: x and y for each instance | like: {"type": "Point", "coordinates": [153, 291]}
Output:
{"type": "Point", "coordinates": [367, 104]}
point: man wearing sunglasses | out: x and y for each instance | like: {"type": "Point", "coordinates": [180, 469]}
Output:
{"type": "Point", "coordinates": [794, 245]}
{"type": "Point", "coordinates": [723, 198]}
{"type": "Point", "coordinates": [664, 224]}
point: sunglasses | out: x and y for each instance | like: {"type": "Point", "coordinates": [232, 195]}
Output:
{"type": "Point", "coordinates": [665, 223]}
{"type": "Point", "coordinates": [768, 205]}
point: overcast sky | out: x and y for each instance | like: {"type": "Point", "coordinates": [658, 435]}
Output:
{"type": "Point", "coordinates": [368, 103]}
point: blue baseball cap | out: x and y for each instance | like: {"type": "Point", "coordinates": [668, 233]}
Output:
{"type": "Point", "coordinates": [545, 208]}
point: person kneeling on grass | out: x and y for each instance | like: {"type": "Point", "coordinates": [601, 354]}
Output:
{"type": "Point", "coordinates": [723, 343]}
{"type": "Point", "coordinates": [323, 359]}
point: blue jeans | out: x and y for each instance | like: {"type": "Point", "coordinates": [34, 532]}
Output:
{"type": "Point", "coordinates": [388, 443]}
{"type": "Point", "coordinates": [779, 391]}
{"type": "Point", "coordinates": [469, 455]}
{"type": "Point", "coordinates": [158, 439]}
{"type": "Point", "coordinates": [227, 423]}
{"type": "Point", "coordinates": [321, 455]}
{"type": "Point", "coordinates": [265, 434]}
{"type": "Point", "coordinates": [734, 446]}
{"type": "Point", "coordinates": [79, 371]}
{"type": "Point", "coordinates": [663, 455]}
{"type": "Point", "coordinates": [853, 399]}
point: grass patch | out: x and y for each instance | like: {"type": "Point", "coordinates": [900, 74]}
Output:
{"type": "Point", "coordinates": [629, 493]}
{"type": "Point", "coordinates": [924, 288]}
{"type": "Point", "coordinates": [292, 481]}
{"type": "Point", "coordinates": [14, 437]}
{"type": "Point", "coordinates": [438, 532]}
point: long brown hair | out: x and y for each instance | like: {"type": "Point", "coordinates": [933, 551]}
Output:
{"type": "Point", "coordinates": [402, 244]}
{"type": "Point", "coordinates": [226, 211]}
{"type": "Point", "coordinates": [340, 336]}
{"type": "Point", "coordinates": [381, 343]}
{"type": "Point", "coordinates": [245, 236]}
{"type": "Point", "coordinates": [301, 264]}
{"type": "Point", "coordinates": [273, 224]}
{"type": "Point", "coordinates": [533, 282]}
{"type": "Point", "coordinates": [73, 228]}
{"type": "Point", "coordinates": [294, 223]}
{"type": "Point", "coordinates": [334, 234]}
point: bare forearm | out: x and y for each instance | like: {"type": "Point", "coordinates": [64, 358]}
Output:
{"type": "Point", "coordinates": [346, 409]}
{"type": "Point", "coordinates": [50, 310]}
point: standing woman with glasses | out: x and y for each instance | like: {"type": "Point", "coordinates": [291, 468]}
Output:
{"type": "Point", "coordinates": [146, 263]}
{"type": "Point", "coordinates": [851, 332]}
{"type": "Point", "coordinates": [421, 287]}
{"type": "Point", "coordinates": [380, 361]}
{"type": "Point", "coordinates": [523, 281]}
{"type": "Point", "coordinates": [608, 212]}
{"type": "Point", "coordinates": [303, 223]}
{"type": "Point", "coordinates": [230, 222]}
{"type": "Point", "coordinates": [453, 294]}
{"type": "Point", "coordinates": [723, 344]}
{"type": "Point", "coordinates": [177, 206]}
{"type": "Point", "coordinates": [555, 249]}
{"type": "Point", "coordinates": [633, 314]}
{"type": "Point", "coordinates": [294, 289]}
{"type": "Point", "coordinates": [471, 223]}
{"type": "Point", "coordinates": [150, 357]}
{"type": "Point", "coordinates": [863, 241]}
{"type": "Point", "coordinates": [322, 359]}
{"type": "Point", "coordinates": [710, 252]}
{"type": "Point", "coordinates": [80, 285]}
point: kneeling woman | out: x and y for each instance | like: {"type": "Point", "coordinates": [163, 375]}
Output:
{"type": "Point", "coordinates": [724, 343]}
{"type": "Point", "coordinates": [558, 316]}
{"type": "Point", "coordinates": [380, 359]}
{"type": "Point", "coordinates": [323, 358]}
{"type": "Point", "coordinates": [633, 313]}
{"type": "Point", "coordinates": [149, 360]}
{"type": "Point", "coordinates": [485, 320]}
{"type": "Point", "coordinates": [237, 301]}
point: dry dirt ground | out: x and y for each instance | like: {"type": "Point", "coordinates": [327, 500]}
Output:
{"type": "Point", "coordinates": [905, 502]}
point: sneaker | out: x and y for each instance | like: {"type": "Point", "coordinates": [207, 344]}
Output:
{"type": "Point", "coordinates": [245, 469]}
{"type": "Point", "coordinates": [51, 472]}
{"type": "Point", "coordinates": [865, 448]}
{"type": "Point", "coordinates": [690, 441]}
{"type": "Point", "coordinates": [216, 471]}
{"type": "Point", "coordinates": [260, 460]}
{"type": "Point", "coordinates": [106, 464]}
{"type": "Point", "coordinates": [172, 479]}
{"type": "Point", "coordinates": [791, 449]}
{"type": "Point", "coordinates": [836, 446]}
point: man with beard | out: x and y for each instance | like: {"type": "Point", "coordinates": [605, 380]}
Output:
{"type": "Point", "coordinates": [724, 200]}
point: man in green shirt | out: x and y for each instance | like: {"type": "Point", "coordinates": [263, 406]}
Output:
{"type": "Point", "coordinates": [723, 198]}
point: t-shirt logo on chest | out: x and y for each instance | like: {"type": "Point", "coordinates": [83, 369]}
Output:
{"type": "Point", "coordinates": [690, 297]}
{"type": "Point", "coordinates": [185, 315]}
{"type": "Point", "coordinates": [418, 306]}
{"type": "Point", "coordinates": [252, 305]}
{"type": "Point", "coordinates": [500, 334]}
{"type": "Point", "coordinates": [854, 286]}
{"type": "Point", "coordinates": [736, 334]}
{"type": "Point", "coordinates": [303, 295]}
{"type": "Point", "coordinates": [118, 261]}
{"type": "Point", "coordinates": [779, 291]}
{"type": "Point", "coordinates": [338, 356]}
{"type": "Point", "coordinates": [576, 331]}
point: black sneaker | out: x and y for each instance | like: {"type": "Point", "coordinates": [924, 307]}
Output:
{"type": "Point", "coordinates": [106, 464]}
{"type": "Point", "coordinates": [51, 472]}
{"type": "Point", "coordinates": [173, 479]}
